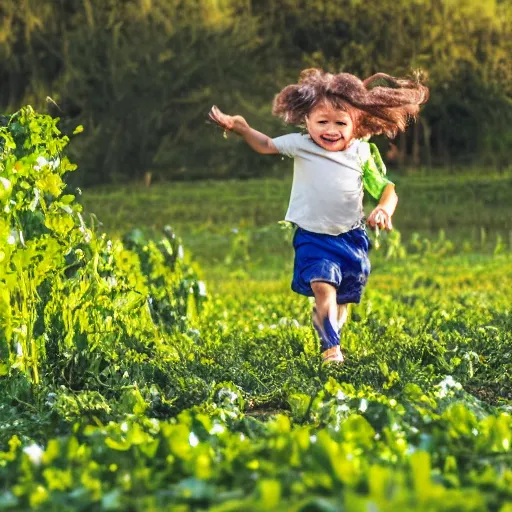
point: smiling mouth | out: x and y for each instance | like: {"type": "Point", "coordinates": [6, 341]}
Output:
{"type": "Point", "coordinates": [329, 140]}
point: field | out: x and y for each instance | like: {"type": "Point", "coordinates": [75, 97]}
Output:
{"type": "Point", "coordinates": [152, 369]}
{"type": "Point", "coordinates": [214, 218]}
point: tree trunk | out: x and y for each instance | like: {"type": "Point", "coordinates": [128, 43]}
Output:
{"type": "Point", "coordinates": [402, 149]}
{"type": "Point", "coordinates": [416, 145]}
{"type": "Point", "coordinates": [427, 133]}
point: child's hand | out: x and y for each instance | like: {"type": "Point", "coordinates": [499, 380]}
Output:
{"type": "Point", "coordinates": [380, 218]}
{"type": "Point", "coordinates": [236, 124]}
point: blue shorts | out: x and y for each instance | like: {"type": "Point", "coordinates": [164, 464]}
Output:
{"type": "Point", "coordinates": [341, 260]}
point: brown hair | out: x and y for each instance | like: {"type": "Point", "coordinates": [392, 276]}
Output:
{"type": "Point", "coordinates": [383, 104]}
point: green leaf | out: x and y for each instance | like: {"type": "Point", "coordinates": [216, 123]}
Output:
{"type": "Point", "coordinates": [270, 493]}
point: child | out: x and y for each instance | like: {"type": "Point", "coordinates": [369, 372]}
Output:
{"type": "Point", "coordinates": [332, 165]}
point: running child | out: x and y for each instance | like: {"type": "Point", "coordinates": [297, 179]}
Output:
{"type": "Point", "coordinates": [333, 165]}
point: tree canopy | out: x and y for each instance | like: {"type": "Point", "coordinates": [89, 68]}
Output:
{"type": "Point", "coordinates": [141, 75]}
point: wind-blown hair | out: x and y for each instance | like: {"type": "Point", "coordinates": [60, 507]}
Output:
{"type": "Point", "coordinates": [381, 104]}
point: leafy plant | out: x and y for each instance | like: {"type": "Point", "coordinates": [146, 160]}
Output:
{"type": "Point", "coordinates": [75, 301]}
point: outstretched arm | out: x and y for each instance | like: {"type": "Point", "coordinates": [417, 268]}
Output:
{"type": "Point", "coordinates": [258, 141]}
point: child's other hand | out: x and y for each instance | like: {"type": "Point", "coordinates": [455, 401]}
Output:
{"type": "Point", "coordinates": [380, 218]}
{"type": "Point", "coordinates": [236, 124]}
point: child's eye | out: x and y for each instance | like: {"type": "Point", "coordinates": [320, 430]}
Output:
{"type": "Point", "coordinates": [341, 123]}
{"type": "Point", "coordinates": [322, 122]}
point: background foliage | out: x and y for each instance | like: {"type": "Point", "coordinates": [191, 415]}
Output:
{"type": "Point", "coordinates": [141, 75]}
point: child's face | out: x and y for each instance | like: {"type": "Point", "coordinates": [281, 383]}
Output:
{"type": "Point", "coordinates": [332, 129]}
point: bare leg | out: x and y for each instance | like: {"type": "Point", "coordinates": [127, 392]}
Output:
{"type": "Point", "coordinates": [342, 315]}
{"type": "Point", "coordinates": [325, 319]}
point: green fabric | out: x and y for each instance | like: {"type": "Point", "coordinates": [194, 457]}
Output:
{"type": "Point", "coordinates": [374, 173]}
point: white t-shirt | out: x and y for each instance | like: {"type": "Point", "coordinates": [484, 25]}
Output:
{"type": "Point", "coordinates": [327, 189]}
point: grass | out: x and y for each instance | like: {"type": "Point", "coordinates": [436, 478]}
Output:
{"type": "Point", "coordinates": [425, 203]}
{"type": "Point", "coordinates": [231, 226]}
